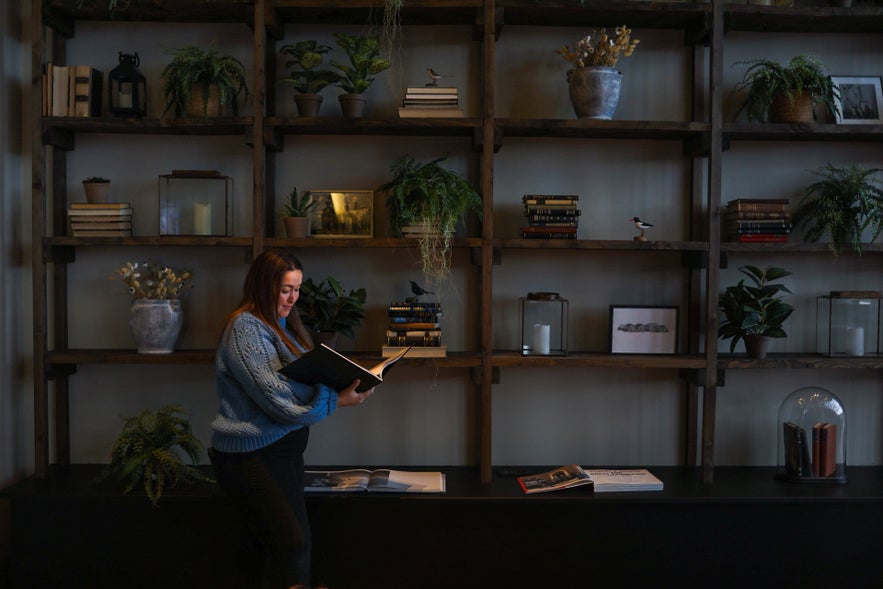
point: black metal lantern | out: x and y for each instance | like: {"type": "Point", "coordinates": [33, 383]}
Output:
{"type": "Point", "coordinates": [127, 88]}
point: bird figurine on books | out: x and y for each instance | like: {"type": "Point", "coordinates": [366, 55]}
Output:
{"type": "Point", "coordinates": [434, 76]}
{"type": "Point", "coordinates": [643, 226]}
{"type": "Point", "coordinates": [419, 290]}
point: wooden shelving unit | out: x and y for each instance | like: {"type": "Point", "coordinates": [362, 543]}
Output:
{"type": "Point", "coordinates": [704, 139]}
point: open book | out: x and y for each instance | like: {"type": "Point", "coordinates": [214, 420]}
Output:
{"type": "Point", "coordinates": [326, 366]}
{"type": "Point", "coordinates": [383, 480]}
{"type": "Point", "coordinates": [564, 477]}
{"type": "Point", "coordinates": [623, 479]}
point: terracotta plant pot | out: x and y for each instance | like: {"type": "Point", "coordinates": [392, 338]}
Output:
{"type": "Point", "coordinates": [296, 226]}
{"type": "Point", "coordinates": [756, 346]}
{"type": "Point", "coordinates": [97, 192]}
{"type": "Point", "coordinates": [308, 105]}
{"type": "Point", "coordinates": [352, 105]}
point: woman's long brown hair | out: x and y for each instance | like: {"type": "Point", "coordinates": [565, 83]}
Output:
{"type": "Point", "coordinates": [260, 296]}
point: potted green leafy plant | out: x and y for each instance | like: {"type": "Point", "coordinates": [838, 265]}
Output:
{"type": "Point", "coordinates": [295, 213]}
{"type": "Point", "coordinates": [357, 76]}
{"type": "Point", "coordinates": [754, 313]}
{"type": "Point", "coordinates": [147, 453]}
{"type": "Point", "coordinates": [97, 189]}
{"type": "Point", "coordinates": [846, 202]}
{"type": "Point", "coordinates": [327, 309]}
{"type": "Point", "coordinates": [787, 93]}
{"type": "Point", "coordinates": [426, 200]}
{"type": "Point", "coordinates": [200, 82]}
{"type": "Point", "coordinates": [306, 76]}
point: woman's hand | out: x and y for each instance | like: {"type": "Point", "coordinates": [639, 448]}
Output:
{"type": "Point", "coordinates": [348, 396]}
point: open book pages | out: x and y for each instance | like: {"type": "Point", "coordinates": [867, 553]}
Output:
{"type": "Point", "coordinates": [564, 477]}
{"type": "Point", "coordinates": [629, 479]}
{"type": "Point", "coordinates": [380, 480]}
{"type": "Point", "coordinates": [329, 367]}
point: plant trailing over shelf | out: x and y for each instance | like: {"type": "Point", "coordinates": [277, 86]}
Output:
{"type": "Point", "coordinates": [754, 310]}
{"type": "Point", "coordinates": [326, 307]}
{"type": "Point", "coordinates": [306, 76]}
{"type": "Point", "coordinates": [433, 199]}
{"type": "Point", "coordinates": [770, 88]}
{"type": "Point", "coordinates": [148, 452]}
{"type": "Point", "coordinates": [365, 62]}
{"type": "Point", "coordinates": [194, 71]}
{"type": "Point", "coordinates": [846, 202]}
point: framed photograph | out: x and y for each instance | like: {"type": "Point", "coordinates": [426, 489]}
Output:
{"type": "Point", "coordinates": [861, 100]}
{"type": "Point", "coordinates": [342, 213]}
{"type": "Point", "coordinates": [643, 330]}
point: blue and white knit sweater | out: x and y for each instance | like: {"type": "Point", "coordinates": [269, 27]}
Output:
{"type": "Point", "coordinates": [259, 406]}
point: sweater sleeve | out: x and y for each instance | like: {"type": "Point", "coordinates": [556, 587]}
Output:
{"type": "Point", "coordinates": [252, 358]}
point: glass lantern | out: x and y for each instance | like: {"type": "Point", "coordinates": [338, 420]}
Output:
{"type": "Point", "coordinates": [196, 202]}
{"type": "Point", "coordinates": [812, 437]}
{"type": "Point", "coordinates": [127, 88]}
{"type": "Point", "coordinates": [543, 324]}
{"type": "Point", "coordinates": [847, 325]}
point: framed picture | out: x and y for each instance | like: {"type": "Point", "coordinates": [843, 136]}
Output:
{"type": "Point", "coordinates": [342, 213]}
{"type": "Point", "coordinates": [643, 330]}
{"type": "Point", "coordinates": [861, 100]}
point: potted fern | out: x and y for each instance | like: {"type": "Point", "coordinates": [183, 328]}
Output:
{"type": "Point", "coordinates": [326, 309]}
{"type": "Point", "coordinates": [357, 76]}
{"type": "Point", "coordinates": [148, 451]}
{"type": "Point", "coordinates": [201, 82]}
{"type": "Point", "coordinates": [426, 201]}
{"type": "Point", "coordinates": [788, 93]}
{"type": "Point", "coordinates": [754, 313]}
{"type": "Point", "coordinates": [295, 213]}
{"type": "Point", "coordinates": [847, 201]}
{"type": "Point", "coordinates": [306, 76]}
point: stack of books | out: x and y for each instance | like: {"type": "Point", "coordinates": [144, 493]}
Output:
{"type": "Point", "coordinates": [71, 91]}
{"type": "Point", "coordinates": [753, 220]}
{"type": "Point", "coordinates": [550, 216]}
{"type": "Point", "coordinates": [112, 219]}
{"type": "Point", "coordinates": [430, 102]}
{"type": "Point", "coordinates": [416, 324]}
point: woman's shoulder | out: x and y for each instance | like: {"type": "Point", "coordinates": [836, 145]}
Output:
{"type": "Point", "coordinates": [246, 322]}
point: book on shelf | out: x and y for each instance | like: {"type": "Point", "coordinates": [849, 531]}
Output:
{"type": "Point", "coordinates": [324, 365]}
{"type": "Point", "coordinates": [757, 225]}
{"type": "Point", "coordinates": [781, 215]}
{"type": "Point", "coordinates": [623, 479]}
{"type": "Point", "coordinates": [430, 101]}
{"type": "Point", "coordinates": [82, 213]}
{"type": "Point", "coordinates": [550, 210]}
{"type": "Point", "coordinates": [797, 450]}
{"type": "Point", "coordinates": [552, 218]}
{"type": "Point", "coordinates": [432, 90]}
{"type": "Point", "coordinates": [413, 326]}
{"type": "Point", "coordinates": [758, 206]}
{"type": "Point", "coordinates": [86, 206]}
{"type": "Point", "coordinates": [824, 449]}
{"type": "Point", "coordinates": [102, 225]}
{"type": "Point", "coordinates": [554, 223]}
{"type": "Point", "coordinates": [549, 230]}
{"type": "Point", "coordinates": [101, 233]}
{"type": "Point", "coordinates": [439, 351]}
{"type": "Point", "coordinates": [548, 235]}
{"type": "Point", "coordinates": [382, 480]}
{"type": "Point", "coordinates": [563, 477]}
{"type": "Point", "coordinates": [59, 90]}
{"type": "Point", "coordinates": [88, 82]}
{"type": "Point", "coordinates": [428, 113]}
{"type": "Point", "coordinates": [760, 238]}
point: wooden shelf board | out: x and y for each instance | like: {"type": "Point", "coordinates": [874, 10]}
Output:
{"type": "Point", "coordinates": [336, 125]}
{"type": "Point", "coordinates": [149, 240]}
{"type": "Point", "coordinates": [600, 360]}
{"type": "Point", "coordinates": [794, 248]}
{"type": "Point", "coordinates": [362, 242]}
{"type": "Point", "coordinates": [603, 245]}
{"type": "Point", "coordinates": [802, 132]}
{"type": "Point", "coordinates": [727, 361]}
{"type": "Point", "coordinates": [216, 11]}
{"type": "Point", "coordinates": [803, 19]}
{"type": "Point", "coordinates": [148, 126]}
{"type": "Point", "coordinates": [589, 128]}
{"type": "Point", "coordinates": [652, 15]}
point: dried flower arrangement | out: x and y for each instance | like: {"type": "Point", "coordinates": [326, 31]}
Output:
{"type": "Point", "coordinates": [599, 49]}
{"type": "Point", "coordinates": [147, 280]}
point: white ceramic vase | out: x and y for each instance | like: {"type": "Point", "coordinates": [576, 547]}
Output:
{"type": "Point", "coordinates": [155, 324]}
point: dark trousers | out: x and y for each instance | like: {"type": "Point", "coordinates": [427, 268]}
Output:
{"type": "Point", "coordinates": [267, 486]}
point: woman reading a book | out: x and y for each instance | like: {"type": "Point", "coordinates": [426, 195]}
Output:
{"type": "Point", "coordinates": [264, 419]}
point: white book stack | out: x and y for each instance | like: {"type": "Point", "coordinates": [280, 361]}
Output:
{"type": "Point", "coordinates": [431, 102]}
{"type": "Point", "coordinates": [100, 219]}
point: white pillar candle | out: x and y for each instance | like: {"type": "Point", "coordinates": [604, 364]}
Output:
{"type": "Point", "coordinates": [541, 338]}
{"type": "Point", "coordinates": [855, 341]}
{"type": "Point", "coordinates": [202, 218]}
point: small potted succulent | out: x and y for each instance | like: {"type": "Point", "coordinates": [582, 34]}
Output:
{"type": "Point", "coordinates": [295, 213]}
{"type": "Point", "coordinates": [202, 82]}
{"type": "Point", "coordinates": [148, 450]}
{"type": "Point", "coordinates": [788, 93]}
{"type": "Point", "coordinates": [306, 76]}
{"type": "Point", "coordinates": [754, 313]}
{"type": "Point", "coordinates": [594, 81]}
{"type": "Point", "coordinates": [357, 76]}
{"type": "Point", "coordinates": [97, 189]}
{"type": "Point", "coordinates": [847, 201]}
{"type": "Point", "coordinates": [327, 310]}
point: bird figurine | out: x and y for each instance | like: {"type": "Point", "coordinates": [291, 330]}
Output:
{"type": "Point", "coordinates": [434, 76]}
{"type": "Point", "coordinates": [643, 226]}
{"type": "Point", "coordinates": [419, 290]}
